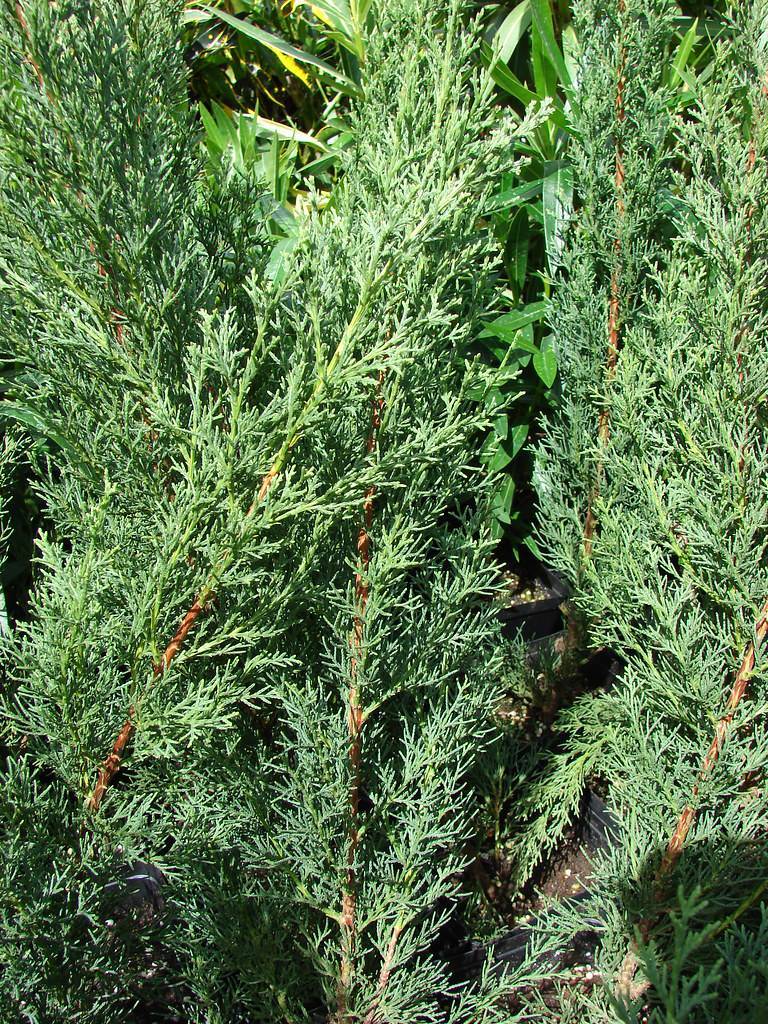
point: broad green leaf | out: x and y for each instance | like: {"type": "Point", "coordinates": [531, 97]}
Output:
{"type": "Point", "coordinates": [323, 163]}
{"type": "Point", "coordinates": [279, 47]}
{"type": "Point", "coordinates": [518, 436]}
{"type": "Point", "coordinates": [343, 22]}
{"type": "Point", "coordinates": [501, 427]}
{"type": "Point", "coordinates": [683, 54]}
{"type": "Point", "coordinates": [495, 346]}
{"type": "Point", "coordinates": [334, 13]}
{"type": "Point", "coordinates": [693, 86]}
{"type": "Point", "coordinates": [36, 423]}
{"type": "Point", "coordinates": [498, 454]}
{"type": "Point", "coordinates": [571, 53]}
{"type": "Point", "coordinates": [557, 203]}
{"type": "Point", "coordinates": [515, 196]}
{"type": "Point", "coordinates": [493, 400]}
{"type": "Point", "coordinates": [535, 213]}
{"type": "Point", "coordinates": [544, 73]}
{"type": "Point", "coordinates": [545, 362]}
{"type": "Point", "coordinates": [512, 30]}
{"type": "Point", "coordinates": [501, 505]}
{"type": "Point", "coordinates": [542, 20]}
{"type": "Point", "coordinates": [500, 459]}
{"type": "Point", "coordinates": [285, 131]}
{"type": "Point", "coordinates": [279, 258]}
{"type": "Point", "coordinates": [504, 78]}
{"type": "Point", "coordinates": [523, 341]}
{"type": "Point", "coordinates": [532, 546]}
{"type": "Point", "coordinates": [216, 133]}
{"type": "Point", "coordinates": [507, 326]}
{"type": "Point", "coordinates": [516, 248]}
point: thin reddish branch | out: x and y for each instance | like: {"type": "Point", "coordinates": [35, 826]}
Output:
{"type": "Point", "coordinates": [614, 302]}
{"type": "Point", "coordinates": [688, 815]}
{"type": "Point", "coordinates": [685, 822]}
{"type": "Point", "coordinates": [111, 765]}
{"type": "Point", "coordinates": [676, 844]}
{"type": "Point", "coordinates": [21, 18]}
{"type": "Point", "coordinates": [180, 635]}
{"type": "Point", "coordinates": [384, 973]}
{"type": "Point", "coordinates": [354, 730]}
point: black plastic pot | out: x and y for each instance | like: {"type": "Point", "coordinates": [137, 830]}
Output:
{"type": "Point", "coordinates": [596, 832]}
{"type": "Point", "coordinates": [539, 618]}
{"type": "Point", "coordinates": [534, 620]}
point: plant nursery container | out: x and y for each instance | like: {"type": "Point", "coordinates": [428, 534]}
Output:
{"type": "Point", "coordinates": [531, 601]}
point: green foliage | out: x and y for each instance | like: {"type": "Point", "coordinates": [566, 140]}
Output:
{"type": "Point", "coordinates": [290, 451]}
{"type": "Point", "coordinates": [534, 53]}
{"type": "Point", "coordinates": [279, 72]}
{"type": "Point", "coordinates": [675, 579]}
{"type": "Point", "coordinates": [528, 216]}
{"type": "Point", "coordinates": [615, 242]}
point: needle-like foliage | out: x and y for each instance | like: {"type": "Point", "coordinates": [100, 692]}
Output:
{"type": "Point", "coordinates": [621, 175]}
{"type": "Point", "coordinates": [677, 584]}
{"type": "Point", "coordinates": [261, 655]}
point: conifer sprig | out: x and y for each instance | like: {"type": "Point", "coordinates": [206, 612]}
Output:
{"type": "Point", "coordinates": [676, 584]}
{"type": "Point", "coordinates": [294, 755]}
{"type": "Point", "coordinates": [355, 722]}
{"type": "Point", "coordinates": [614, 299]}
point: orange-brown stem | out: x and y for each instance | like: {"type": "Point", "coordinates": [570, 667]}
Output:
{"type": "Point", "coordinates": [688, 815]}
{"type": "Point", "coordinates": [20, 17]}
{"type": "Point", "coordinates": [111, 765]}
{"type": "Point", "coordinates": [354, 732]}
{"type": "Point", "coordinates": [614, 310]}
{"type": "Point", "coordinates": [677, 840]}
{"type": "Point", "coordinates": [384, 973]}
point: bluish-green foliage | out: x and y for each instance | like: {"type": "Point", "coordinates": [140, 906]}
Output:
{"type": "Point", "coordinates": [205, 428]}
{"type": "Point", "coordinates": [676, 579]}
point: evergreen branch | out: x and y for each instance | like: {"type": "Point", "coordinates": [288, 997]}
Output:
{"type": "Point", "coordinates": [687, 816]}
{"type": "Point", "coordinates": [746, 329]}
{"type": "Point", "coordinates": [373, 283]}
{"type": "Point", "coordinates": [614, 305]}
{"type": "Point", "coordinates": [685, 822]}
{"type": "Point", "coordinates": [385, 972]}
{"type": "Point", "coordinates": [625, 980]}
{"type": "Point", "coordinates": [20, 17]}
{"type": "Point", "coordinates": [354, 726]}
{"type": "Point", "coordinates": [111, 765]}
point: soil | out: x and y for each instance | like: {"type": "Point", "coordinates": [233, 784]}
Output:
{"type": "Point", "coordinates": [519, 590]}
{"type": "Point", "coordinates": [564, 875]}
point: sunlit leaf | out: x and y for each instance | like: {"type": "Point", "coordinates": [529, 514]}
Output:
{"type": "Point", "coordinates": [545, 362]}
{"type": "Point", "coordinates": [507, 326]}
{"type": "Point", "coordinates": [557, 204]}
{"type": "Point", "coordinates": [278, 46]}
